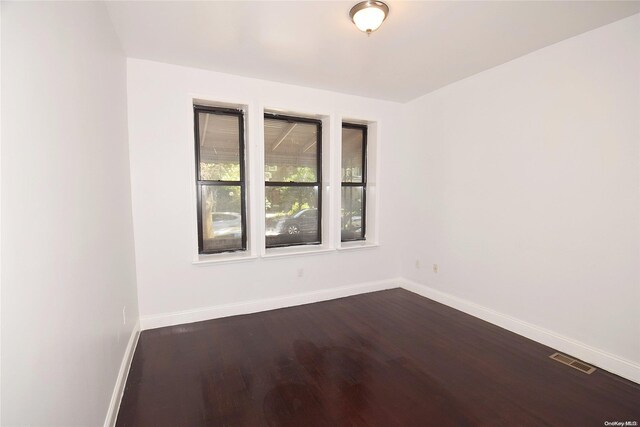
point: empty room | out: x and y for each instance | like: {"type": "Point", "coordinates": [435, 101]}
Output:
{"type": "Point", "coordinates": [320, 213]}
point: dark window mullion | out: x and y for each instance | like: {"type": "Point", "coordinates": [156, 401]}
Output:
{"type": "Point", "coordinates": [291, 119]}
{"type": "Point", "coordinates": [205, 182]}
{"type": "Point", "coordinates": [219, 110]}
{"type": "Point", "coordinates": [202, 184]}
{"type": "Point", "coordinates": [243, 195]}
{"type": "Point", "coordinates": [291, 184]}
{"type": "Point", "coordinates": [300, 184]}
{"type": "Point", "coordinates": [363, 183]}
{"type": "Point", "coordinates": [363, 220]}
{"type": "Point", "coordinates": [364, 155]}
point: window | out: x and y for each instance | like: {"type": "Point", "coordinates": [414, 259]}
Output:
{"type": "Point", "coordinates": [293, 169]}
{"type": "Point", "coordinates": [220, 179]}
{"type": "Point", "coordinates": [354, 182]}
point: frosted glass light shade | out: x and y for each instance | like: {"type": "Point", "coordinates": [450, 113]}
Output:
{"type": "Point", "coordinates": [369, 15]}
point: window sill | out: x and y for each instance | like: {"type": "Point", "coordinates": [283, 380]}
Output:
{"type": "Point", "coordinates": [350, 246]}
{"type": "Point", "coordinates": [274, 253]}
{"type": "Point", "coordinates": [204, 260]}
{"type": "Point", "coordinates": [295, 251]}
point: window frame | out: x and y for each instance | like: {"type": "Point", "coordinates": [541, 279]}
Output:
{"type": "Point", "coordinates": [200, 183]}
{"type": "Point", "coordinates": [317, 183]}
{"type": "Point", "coordinates": [365, 131]}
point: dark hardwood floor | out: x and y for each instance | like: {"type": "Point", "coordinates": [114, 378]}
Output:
{"type": "Point", "coordinates": [388, 358]}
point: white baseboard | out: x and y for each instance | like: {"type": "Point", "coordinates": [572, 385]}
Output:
{"type": "Point", "coordinates": [602, 359]}
{"type": "Point", "coordinates": [247, 307]}
{"type": "Point", "coordinates": [121, 381]}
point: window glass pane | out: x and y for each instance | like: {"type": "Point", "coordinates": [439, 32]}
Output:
{"type": "Point", "coordinates": [352, 218]}
{"type": "Point", "coordinates": [219, 147]}
{"type": "Point", "coordinates": [291, 215]}
{"type": "Point", "coordinates": [352, 140]}
{"type": "Point", "coordinates": [290, 151]}
{"type": "Point", "coordinates": [221, 217]}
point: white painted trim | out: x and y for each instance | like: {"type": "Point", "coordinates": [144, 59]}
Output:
{"type": "Point", "coordinates": [216, 259]}
{"type": "Point", "coordinates": [248, 109]}
{"type": "Point", "coordinates": [289, 251]}
{"type": "Point", "coordinates": [602, 359]}
{"type": "Point", "coordinates": [350, 246]}
{"type": "Point", "coordinates": [121, 381]}
{"type": "Point", "coordinates": [247, 307]}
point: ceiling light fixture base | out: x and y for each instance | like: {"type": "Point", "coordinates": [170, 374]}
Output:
{"type": "Point", "coordinates": [369, 15]}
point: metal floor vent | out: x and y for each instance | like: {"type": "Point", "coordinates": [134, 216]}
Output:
{"type": "Point", "coordinates": [570, 361]}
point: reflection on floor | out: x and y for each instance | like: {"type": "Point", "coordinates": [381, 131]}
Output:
{"type": "Point", "coordinates": [388, 358]}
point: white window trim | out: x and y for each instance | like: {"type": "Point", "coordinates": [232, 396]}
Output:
{"type": "Point", "coordinates": [301, 250]}
{"type": "Point", "coordinates": [373, 174]}
{"type": "Point", "coordinates": [327, 244]}
{"type": "Point", "coordinates": [224, 257]}
{"type": "Point", "coordinates": [361, 244]}
{"type": "Point", "coordinates": [254, 175]}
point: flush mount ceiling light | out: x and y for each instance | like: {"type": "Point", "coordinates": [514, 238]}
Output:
{"type": "Point", "coordinates": [368, 15]}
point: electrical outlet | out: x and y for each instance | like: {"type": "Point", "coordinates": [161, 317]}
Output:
{"type": "Point", "coordinates": [436, 268]}
{"type": "Point", "coordinates": [300, 272]}
{"type": "Point", "coordinates": [418, 263]}
{"type": "Point", "coordinates": [124, 315]}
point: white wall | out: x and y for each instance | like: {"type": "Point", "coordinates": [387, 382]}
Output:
{"type": "Point", "coordinates": [529, 193]}
{"type": "Point", "coordinates": [163, 190]}
{"type": "Point", "coordinates": [521, 182]}
{"type": "Point", "coordinates": [67, 243]}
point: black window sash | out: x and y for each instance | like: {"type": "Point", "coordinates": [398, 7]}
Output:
{"type": "Point", "coordinates": [362, 184]}
{"type": "Point", "coordinates": [317, 183]}
{"type": "Point", "coordinates": [200, 183]}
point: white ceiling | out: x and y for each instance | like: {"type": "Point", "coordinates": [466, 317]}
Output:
{"type": "Point", "coordinates": [420, 47]}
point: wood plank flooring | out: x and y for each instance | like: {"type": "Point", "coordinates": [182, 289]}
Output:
{"type": "Point", "coordinates": [389, 358]}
